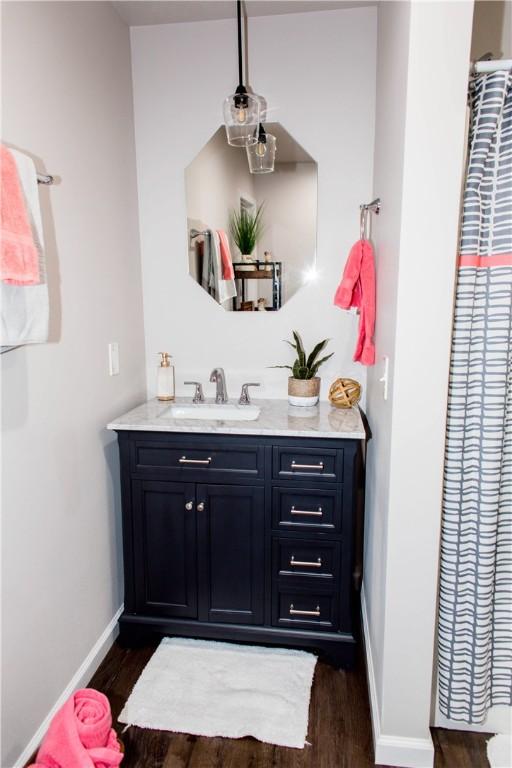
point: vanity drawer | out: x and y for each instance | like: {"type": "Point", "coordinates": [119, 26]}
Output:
{"type": "Point", "coordinates": [197, 461]}
{"type": "Point", "coordinates": [307, 509]}
{"type": "Point", "coordinates": [321, 463]}
{"type": "Point", "coordinates": [303, 558]}
{"type": "Point", "coordinates": [305, 610]}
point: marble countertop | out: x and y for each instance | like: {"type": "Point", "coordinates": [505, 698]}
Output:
{"type": "Point", "coordinates": [277, 417]}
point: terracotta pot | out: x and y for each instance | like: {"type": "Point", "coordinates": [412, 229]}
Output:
{"type": "Point", "coordinates": [303, 392]}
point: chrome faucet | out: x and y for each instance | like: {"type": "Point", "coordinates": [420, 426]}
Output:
{"type": "Point", "coordinates": [219, 377]}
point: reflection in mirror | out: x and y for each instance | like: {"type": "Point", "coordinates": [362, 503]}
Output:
{"type": "Point", "coordinates": [251, 238]}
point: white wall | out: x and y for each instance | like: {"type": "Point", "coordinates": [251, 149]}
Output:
{"type": "Point", "coordinates": [290, 194]}
{"type": "Point", "coordinates": [418, 170]}
{"type": "Point", "coordinates": [67, 100]}
{"type": "Point", "coordinates": [392, 63]}
{"type": "Point", "coordinates": [176, 111]}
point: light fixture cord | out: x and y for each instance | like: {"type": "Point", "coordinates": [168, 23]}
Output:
{"type": "Point", "coordinates": [239, 15]}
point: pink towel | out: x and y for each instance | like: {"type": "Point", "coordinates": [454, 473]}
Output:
{"type": "Point", "coordinates": [357, 289]}
{"type": "Point", "coordinates": [19, 258]}
{"type": "Point", "coordinates": [228, 272]}
{"type": "Point", "coordinates": [81, 735]}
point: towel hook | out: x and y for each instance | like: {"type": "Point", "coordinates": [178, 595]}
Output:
{"type": "Point", "coordinates": [362, 223]}
{"type": "Point", "coordinates": [365, 208]}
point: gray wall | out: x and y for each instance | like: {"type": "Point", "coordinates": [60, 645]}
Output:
{"type": "Point", "coordinates": [67, 100]}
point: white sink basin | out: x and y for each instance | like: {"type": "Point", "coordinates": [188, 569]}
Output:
{"type": "Point", "coordinates": [212, 411]}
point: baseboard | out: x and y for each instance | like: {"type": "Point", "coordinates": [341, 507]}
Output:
{"type": "Point", "coordinates": [402, 752]}
{"type": "Point", "coordinates": [81, 677]}
{"type": "Point", "coordinates": [370, 671]}
{"type": "Point", "coordinates": [396, 751]}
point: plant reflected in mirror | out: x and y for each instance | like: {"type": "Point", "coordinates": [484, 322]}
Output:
{"type": "Point", "coordinates": [246, 229]}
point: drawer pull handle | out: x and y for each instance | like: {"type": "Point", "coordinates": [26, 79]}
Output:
{"type": "Point", "coordinates": [317, 513]}
{"type": "Point", "coordinates": [319, 466]}
{"type": "Point", "coordinates": [295, 612]}
{"type": "Point", "coordinates": [184, 460]}
{"type": "Point", "coordinates": [305, 563]}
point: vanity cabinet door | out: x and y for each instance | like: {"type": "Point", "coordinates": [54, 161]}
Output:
{"type": "Point", "coordinates": [231, 553]}
{"type": "Point", "coordinates": [165, 548]}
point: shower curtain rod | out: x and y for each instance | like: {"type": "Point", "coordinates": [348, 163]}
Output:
{"type": "Point", "coordinates": [490, 65]}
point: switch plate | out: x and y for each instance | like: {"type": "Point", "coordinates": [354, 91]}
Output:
{"type": "Point", "coordinates": [385, 377]}
{"type": "Point", "coordinates": [113, 358]}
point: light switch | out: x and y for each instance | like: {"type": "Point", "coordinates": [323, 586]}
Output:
{"type": "Point", "coordinates": [384, 379]}
{"type": "Point", "coordinates": [113, 358]}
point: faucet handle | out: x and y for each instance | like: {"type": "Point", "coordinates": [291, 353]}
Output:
{"type": "Point", "coordinates": [198, 394]}
{"type": "Point", "coordinates": [244, 396]}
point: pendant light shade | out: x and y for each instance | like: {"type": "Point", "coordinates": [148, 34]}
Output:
{"type": "Point", "coordinates": [263, 107]}
{"type": "Point", "coordinates": [262, 154]}
{"type": "Point", "coordinates": [241, 118]}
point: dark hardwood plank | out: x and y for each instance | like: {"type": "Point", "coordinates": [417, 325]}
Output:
{"type": "Point", "coordinates": [207, 753]}
{"type": "Point", "coordinates": [180, 746]}
{"type": "Point", "coordinates": [460, 749]}
{"type": "Point", "coordinates": [339, 730]}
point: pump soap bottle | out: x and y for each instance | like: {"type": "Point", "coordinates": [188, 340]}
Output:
{"type": "Point", "coordinates": [165, 378]}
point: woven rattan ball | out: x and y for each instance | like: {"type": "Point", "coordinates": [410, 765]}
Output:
{"type": "Point", "coordinates": [344, 393]}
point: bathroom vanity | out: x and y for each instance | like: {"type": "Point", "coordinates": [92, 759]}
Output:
{"type": "Point", "coordinates": [247, 531]}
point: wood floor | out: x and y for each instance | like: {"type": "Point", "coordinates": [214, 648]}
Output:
{"type": "Point", "coordinates": [339, 728]}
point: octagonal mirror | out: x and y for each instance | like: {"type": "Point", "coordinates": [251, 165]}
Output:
{"type": "Point", "coordinates": [251, 237]}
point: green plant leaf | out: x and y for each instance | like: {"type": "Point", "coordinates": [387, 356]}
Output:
{"type": "Point", "coordinates": [300, 348]}
{"type": "Point", "coordinates": [316, 351]}
{"type": "Point", "coordinates": [320, 362]}
{"type": "Point", "coordinates": [303, 368]}
{"type": "Point", "coordinates": [246, 229]}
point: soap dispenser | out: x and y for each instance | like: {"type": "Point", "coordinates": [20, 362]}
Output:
{"type": "Point", "coordinates": [165, 378]}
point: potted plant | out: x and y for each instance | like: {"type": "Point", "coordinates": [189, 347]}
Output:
{"type": "Point", "coordinates": [304, 384]}
{"type": "Point", "coordinates": [246, 229]}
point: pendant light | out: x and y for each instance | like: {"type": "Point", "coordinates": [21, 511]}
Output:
{"type": "Point", "coordinates": [241, 109]}
{"type": "Point", "coordinates": [261, 156]}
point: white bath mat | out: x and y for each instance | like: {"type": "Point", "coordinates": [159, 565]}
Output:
{"type": "Point", "coordinates": [222, 689]}
{"type": "Point", "coordinates": [499, 751]}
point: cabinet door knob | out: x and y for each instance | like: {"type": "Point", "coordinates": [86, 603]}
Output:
{"type": "Point", "coordinates": [189, 505]}
{"type": "Point", "coordinates": [200, 506]}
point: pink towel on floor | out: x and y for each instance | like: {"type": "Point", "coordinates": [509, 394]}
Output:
{"type": "Point", "coordinates": [228, 272]}
{"type": "Point", "coordinates": [19, 257]}
{"type": "Point", "coordinates": [357, 289]}
{"type": "Point", "coordinates": [81, 735]}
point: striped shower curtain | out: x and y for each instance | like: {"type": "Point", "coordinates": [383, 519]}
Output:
{"type": "Point", "coordinates": [475, 603]}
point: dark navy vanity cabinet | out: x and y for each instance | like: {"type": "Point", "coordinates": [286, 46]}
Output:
{"type": "Point", "coordinates": [243, 538]}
